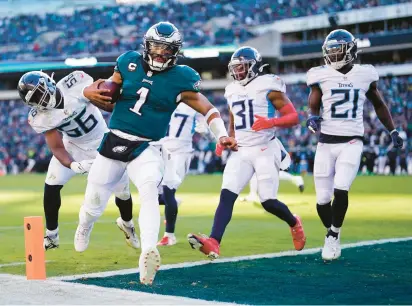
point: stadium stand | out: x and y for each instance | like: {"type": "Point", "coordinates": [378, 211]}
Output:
{"type": "Point", "coordinates": [118, 28]}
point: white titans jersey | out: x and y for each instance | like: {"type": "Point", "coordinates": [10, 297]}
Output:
{"type": "Point", "coordinates": [247, 101]}
{"type": "Point", "coordinates": [79, 120]}
{"type": "Point", "coordinates": [179, 136]}
{"type": "Point", "coordinates": [343, 97]}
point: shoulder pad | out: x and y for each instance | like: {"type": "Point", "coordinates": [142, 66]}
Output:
{"type": "Point", "coordinates": [123, 61]}
{"type": "Point", "coordinates": [75, 79]}
{"type": "Point", "coordinates": [315, 74]}
{"type": "Point", "coordinates": [230, 89]}
{"type": "Point", "coordinates": [271, 82]}
{"type": "Point", "coordinates": [370, 72]}
{"type": "Point", "coordinates": [187, 79]}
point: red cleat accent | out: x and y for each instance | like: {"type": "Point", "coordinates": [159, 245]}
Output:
{"type": "Point", "coordinates": [208, 246]}
{"type": "Point", "coordinates": [298, 235]}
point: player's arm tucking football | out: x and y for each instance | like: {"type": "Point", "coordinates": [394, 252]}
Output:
{"type": "Point", "coordinates": [383, 113]}
{"type": "Point", "coordinates": [95, 94]}
{"type": "Point", "coordinates": [289, 117]}
{"type": "Point", "coordinates": [315, 101]}
{"type": "Point", "coordinates": [201, 104]}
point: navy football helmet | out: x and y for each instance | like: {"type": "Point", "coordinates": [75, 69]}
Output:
{"type": "Point", "coordinates": [161, 46]}
{"type": "Point", "coordinates": [39, 90]}
{"type": "Point", "coordinates": [339, 49]}
{"type": "Point", "coordinates": [245, 64]}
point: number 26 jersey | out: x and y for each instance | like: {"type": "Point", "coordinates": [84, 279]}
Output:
{"type": "Point", "coordinates": [247, 101]}
{"type": "Point", "coordinates": [343, 97]}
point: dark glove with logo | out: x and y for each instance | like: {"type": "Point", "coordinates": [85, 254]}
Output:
{"type": "Point", "coordinates": [313, 123]}
{"type": "Point", "coordinates": [396, 139]}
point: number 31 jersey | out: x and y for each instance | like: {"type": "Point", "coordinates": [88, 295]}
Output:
{"type": "Point", "coordinates": [343, 97]}
{"type": "Point", "coordinates": [247, 101]}
{"type": "Point", "coordinates": [79, 120]}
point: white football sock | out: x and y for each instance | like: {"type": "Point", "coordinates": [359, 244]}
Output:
{"type": "Point", "coordinates": [149, 216]}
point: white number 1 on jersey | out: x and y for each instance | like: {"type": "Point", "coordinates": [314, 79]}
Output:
{"type": "Point", "coordinates": [142, 92]}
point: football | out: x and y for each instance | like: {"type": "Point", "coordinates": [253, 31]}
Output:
{"type": "Point", "coordinates": [114, 88]}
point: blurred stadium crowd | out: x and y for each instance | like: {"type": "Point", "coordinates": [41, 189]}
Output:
{"type": "Point", "coordinates": [118, 28]}
{"type": "Point", "coordinates": [23, 150]}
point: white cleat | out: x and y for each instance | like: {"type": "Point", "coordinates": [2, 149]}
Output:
{"type": "Point", "coordinates": [129, 233]}
{"type": "Point", "coordinates": [149, 263]}
{"type": "Point", "coordinates": [51, 241]}
{"type": "Point", "coordinates": [331, 250]}
{"type": "Point", "coordinates": [167, 241]}
{"type": "Point", "coordinates": [82, 238]}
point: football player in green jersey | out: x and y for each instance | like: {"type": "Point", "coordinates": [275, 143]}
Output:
{"type": "Point", "coordinates": [152, 87]}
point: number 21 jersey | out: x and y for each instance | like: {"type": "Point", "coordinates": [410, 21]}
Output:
{"type": "Point", "coordinates": [343, 97]}
{"type": "Point", "coordinates": [247, 101]}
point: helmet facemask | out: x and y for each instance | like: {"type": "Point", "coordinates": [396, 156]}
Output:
{"type": "Point", "coordinates": [338, 54]}
{"type": "Point", "coordinates": [45, 95]}
{"type": "Point", "coordinates": [241, 69]}
{"type": "Point", "coordinates": [160, 55]}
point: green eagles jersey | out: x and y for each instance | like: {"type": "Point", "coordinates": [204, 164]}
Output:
{"type": "Point", "coordinates": [148, 99]}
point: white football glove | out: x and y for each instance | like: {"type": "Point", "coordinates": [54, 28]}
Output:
{"type": "Point", "coordinates": [82, 167]}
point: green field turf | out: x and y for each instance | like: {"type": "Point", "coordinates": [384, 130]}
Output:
{"type": "Point", "coordinates": [380, 207]}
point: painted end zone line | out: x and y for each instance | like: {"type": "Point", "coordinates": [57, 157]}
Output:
{"type": "Point", "coordinates": [12, 264]}
{"type": "Point", "coordinates": [230, 259]}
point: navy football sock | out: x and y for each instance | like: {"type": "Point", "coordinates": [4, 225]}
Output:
{"type": "Point", "coordinates": [161, 199]}
{"type": "Point", "coordinates": [339, 207]}
{"type": "Point", "coordinates": [51, 205]}
{"type": "Point", "coordinates": [223, 213]}
{"type": "Point", "coordinates": [280, 210]}
{"type": "Point", "coordinates": [325, 214]}
{"type": "Point", "coordinates": [170, 208]}
{"type": "Point", "coordinates": [125, 208]}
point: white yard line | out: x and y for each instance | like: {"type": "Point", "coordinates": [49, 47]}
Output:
{"type": "Point", "coordinates": [230, 259]}
{"type": "Point", "coordinates": [13, 264]}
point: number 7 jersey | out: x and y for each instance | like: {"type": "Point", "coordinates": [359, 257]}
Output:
{"type": "Point", "coordinates": [247, 101]}
{"type": "Point", "coordinates": [343, 97]}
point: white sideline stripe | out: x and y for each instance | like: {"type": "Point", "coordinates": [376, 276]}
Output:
{"type": "Point", "coordinates": [13, 264]}
{"type": "Point", "coordinates": [21, 227]}
{"type": "Point", "coordinates": [230, 259]}
{"type": "Point", "coordinates": [17, 290]}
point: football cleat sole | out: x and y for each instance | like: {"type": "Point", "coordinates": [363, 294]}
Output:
{"type": "Point", "coordinates": [149, 264]}
{"type": "Point", "coordinates": [197, 245]}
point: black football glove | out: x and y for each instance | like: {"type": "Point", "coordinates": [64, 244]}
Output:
{"type": "Point", "coordinates": [313, 123]}
{"type": "Point", "coordinates": [396, 139]}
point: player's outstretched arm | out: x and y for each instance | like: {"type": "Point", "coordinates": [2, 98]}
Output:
{"type": "Point", "coordinates": [383, 113]}
{"type": "Point", "coordinates": [55, 142]}
{"type": "Point", "coordinates": [315, 101]}
{"type": "Point", "coordinates": [289, 116]}
{"type": "Point", "coordinates": [201, 104]}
